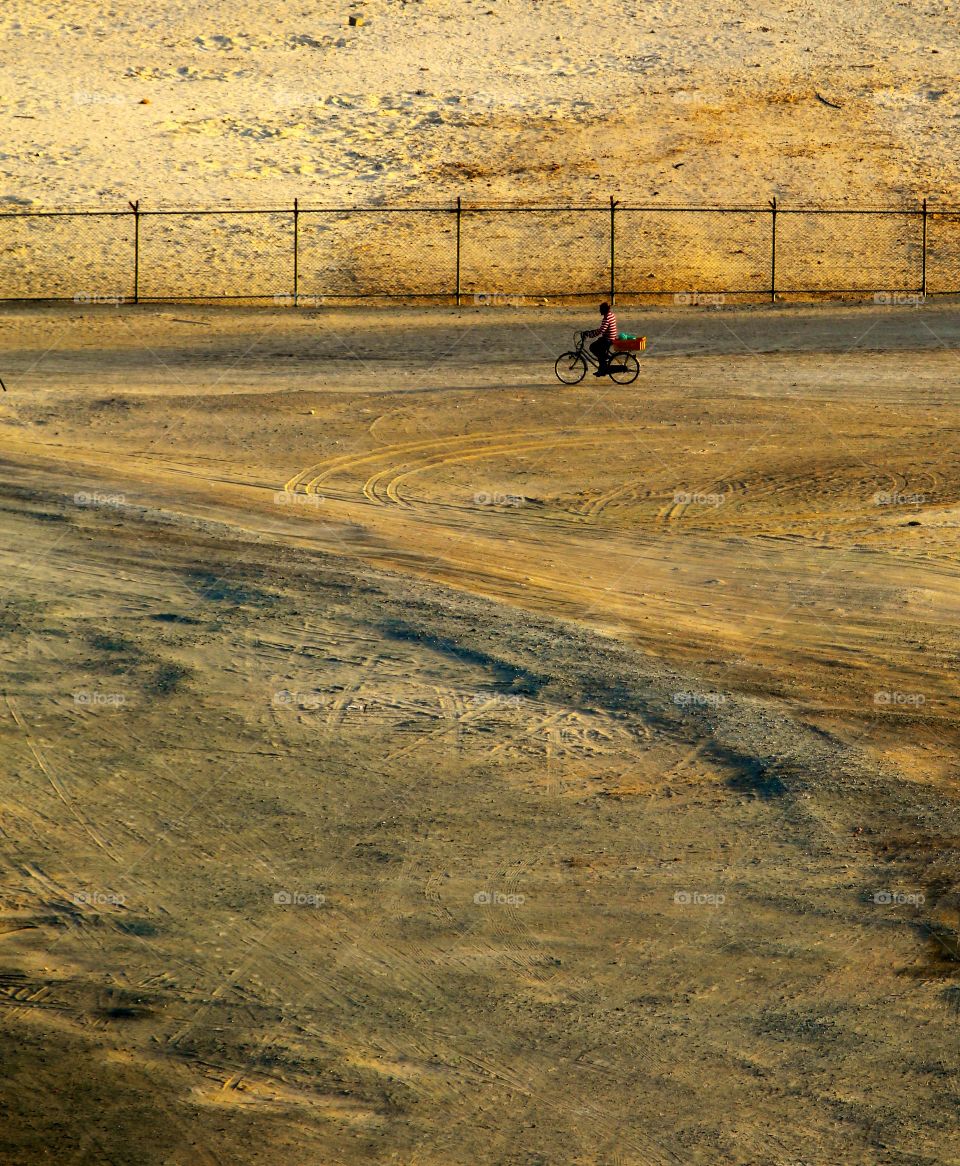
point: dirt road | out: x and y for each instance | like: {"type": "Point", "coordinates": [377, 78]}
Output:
{"type": "Point", "coordinates": [407, 758]}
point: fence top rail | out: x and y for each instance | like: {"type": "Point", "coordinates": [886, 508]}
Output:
{"type": "Point", "coordinates": [300, 209]}
{"type": "Point", "coordinates": [932, 208]}
{"type": "Point", "coordinates": [915, 208]}
{"type": "Point", "coordinates": [63, 214]}
{"type": "Point", "coordinates": [723, 210]}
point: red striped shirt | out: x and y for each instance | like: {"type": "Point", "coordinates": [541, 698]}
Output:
{"type": "Point", "coordinates": [608, 329]}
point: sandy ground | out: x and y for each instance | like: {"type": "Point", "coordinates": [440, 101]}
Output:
{"type": "Point", "coordinates": [663, 102]}
{"type": "Point", "coordinates": [408, 759]}
{"type": "Point", "coordinates": [404, 758]}
{"type": "Point", "coordinates": [551, 102]}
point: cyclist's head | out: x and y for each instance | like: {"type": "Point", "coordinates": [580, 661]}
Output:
{"type": "Point", "coordinates": [604, 307]}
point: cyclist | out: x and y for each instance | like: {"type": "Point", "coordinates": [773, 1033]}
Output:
{"type": "Point", "coordinates": [606, 334]}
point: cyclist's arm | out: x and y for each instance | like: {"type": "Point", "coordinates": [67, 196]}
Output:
{"type": "Point", "coordinates": [592, 332]}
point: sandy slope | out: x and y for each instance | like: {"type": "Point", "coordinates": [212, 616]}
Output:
{"type": "Point", "coordinates": [661, 102]}
{"type": "Point", "coordinates": [397, 621]}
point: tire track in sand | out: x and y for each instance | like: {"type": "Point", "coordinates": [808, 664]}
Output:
{"type": "Point", "coordinates": [437, 451]}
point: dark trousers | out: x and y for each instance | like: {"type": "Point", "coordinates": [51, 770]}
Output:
{"type": "Point", "coordinates": [601, 350]}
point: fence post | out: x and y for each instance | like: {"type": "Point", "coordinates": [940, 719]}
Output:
{"type": "Point", "coordinates": [459, 218]}
{"type": "Point", "coordinates": [296, 252]}
{"type": "Point", "coordinates": [135, 207]}
{"type": "Point", "coordinates": [923, 253]}
{"type": "Point", "coordinates": [773, 250]}
{"type": "Point", "coordinates": [613, 251]}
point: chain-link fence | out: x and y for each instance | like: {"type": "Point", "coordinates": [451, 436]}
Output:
{"type": "Point", "coordinates": [855, 251]}
{"type": "Point", "coordinates": [82, 257]}
{"type": "Point", "coordinates": [388, 254]}
{"type": "Point", "coordinates": [308, 255]}
{"type": "Point", "coordinates": [942, 252]}
{"type": "Point", "coordinates": [707, 252]}
{"type": "Point", "coordinates": [549, 252]}
{"type": "Point", "coordinates": [199, 255]}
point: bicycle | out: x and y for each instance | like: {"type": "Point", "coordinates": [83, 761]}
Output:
{"type": "Point", "coordinates": [571, 367]}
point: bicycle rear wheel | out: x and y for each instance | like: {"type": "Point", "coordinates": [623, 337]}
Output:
{"type": "Point", "coordinates": [624, 368]}
{"type": "Point", "coordinates": [571, 368]}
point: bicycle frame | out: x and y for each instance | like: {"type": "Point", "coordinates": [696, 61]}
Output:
{"type": "Point", "coordinates": [584, 349]}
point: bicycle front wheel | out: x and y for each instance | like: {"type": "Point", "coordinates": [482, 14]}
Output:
{"type": "Point", "coordinates": [624, 368]}
{"type": "Point", "coordinates": [571, 368]}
